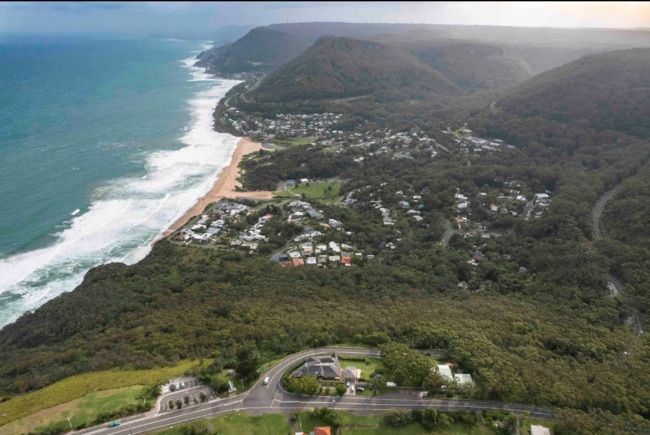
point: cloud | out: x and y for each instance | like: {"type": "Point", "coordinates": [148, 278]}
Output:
{"type": "Point", "coordinates": [302, 5]}
{"type": "Point", "coordinates": [81, 7]}
{"type": "Point", "coordinates": [139, 17]}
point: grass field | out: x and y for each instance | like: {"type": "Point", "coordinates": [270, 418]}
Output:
{"type": "Point", "coordinates": [76, 387]}
{"type": "Point", "coordinates": [79, 411]}
{"type": "Point", "coordinates": [367, 367]}
{"type": "Point", "coordinates": [239, 423]}
{"type": "Point", "coordinates": [322, 191]}
{"type": "Point", "coordinates": [293, 142]}
{"type": "Point", "coordinates": [459, 133]}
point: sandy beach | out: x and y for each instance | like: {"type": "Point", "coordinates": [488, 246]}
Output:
{"type": "Point", "coordinates": [224, 186]}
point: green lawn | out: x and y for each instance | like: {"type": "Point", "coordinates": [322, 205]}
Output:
{"type": "Point", "coordinates": [237, 423]}
{"type": "Point", "coordinates": [368, 366]}
{"type": "Point", "coordinates": [374, 425]}
{"type": "Point", "coordinates": [83, 410]}
{"type": "Point", "coordinates": [459, 133]}
{"type": "Point", "coordinates": [322, 191]}
{"type": "Point", "coordinates": [293, 142]}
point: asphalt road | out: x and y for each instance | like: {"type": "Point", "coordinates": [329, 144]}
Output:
{"type": "Point", "coordinates": [527, 209]}
{"type": "Point", "coordinates": [597, 211]}
{"type": "Point", "coordinates": [449, 231]}
{"type": "Point", "coordinates": [614, 286]}
{"type": "Point", "coordinates": [271, 398]}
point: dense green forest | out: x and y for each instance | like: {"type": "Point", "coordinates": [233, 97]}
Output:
{"type": "Point", "coordinates": [561, 346]}
{"type": "Point", "coordinates": [344, 67]}
{"type": "Point", "coordinates": [607, 91]}
{"type": "Point", "coordinates": [261, 49]}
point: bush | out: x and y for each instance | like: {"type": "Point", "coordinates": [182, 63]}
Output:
{"type": "Point", "coordinates": [305, 385]}
{"type": "Point", "coordinates": [398, 418]}
{"type": "Point", "coordinates": [341, 389]}
{"type": "Point", "coordinates": [327, 416]}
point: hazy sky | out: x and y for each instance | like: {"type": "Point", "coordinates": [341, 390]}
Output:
{"type": "Point", "coordinates": [204, 18]}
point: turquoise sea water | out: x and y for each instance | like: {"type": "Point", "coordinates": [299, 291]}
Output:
{"type": "Point", "coordinates": [104, 142]}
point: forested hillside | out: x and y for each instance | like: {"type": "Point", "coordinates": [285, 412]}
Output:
{"type": "Point", "coordinates": [266, 48]}
{"type": "Point", "coordinates": [343, 67]}
{"type": "Point", "coordinates": [261, 49]}
{"type": "Point", "coordinates": [475, 66]}
{"type": "Point", "coordinates": [609, 91]}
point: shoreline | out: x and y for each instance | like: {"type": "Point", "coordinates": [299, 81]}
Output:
{"type": "Point", "coordinates": [224, 187]}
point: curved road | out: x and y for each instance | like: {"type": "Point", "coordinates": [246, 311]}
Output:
{"type": "Point", "coordinates": [614, 286]}
{"type": "Point", "coordinates": [597, 211]}
{"type": "Point", "coordinates": [271, 398]}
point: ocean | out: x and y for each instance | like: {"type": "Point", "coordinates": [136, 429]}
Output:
{"type": "Point", "coordinates": [104, 143]}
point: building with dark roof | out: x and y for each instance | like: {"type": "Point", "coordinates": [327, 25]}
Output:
{"type": "Point", "coordinates": [326, 367]}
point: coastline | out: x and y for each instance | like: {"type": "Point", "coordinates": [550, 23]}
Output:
{"type": "Point", "coordinates": [224, 187]}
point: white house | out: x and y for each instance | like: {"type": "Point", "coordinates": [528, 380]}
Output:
{"type": "Point", "coordinates": [463, 379]}
{"type": "Point", "coordinates": [445, 371]}
{"type": "Point", "coordinates": [539, 430]}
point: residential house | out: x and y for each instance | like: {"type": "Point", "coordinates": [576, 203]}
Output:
{"type": "Point", "coordinates": [539, 430]}
{"type": "Point", "coordinates": [326, 367]}
{"type": "Point", "coordinates": [541, 199]}
{"type": "Point", "coordinates": [463, 379]}
{"type": "Point", "coordinates": [445, 371]}
{"type": "Point", "coordinates": [351, 374]}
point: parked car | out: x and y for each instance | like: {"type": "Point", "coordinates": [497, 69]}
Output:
{"type": "Point", "coordinates": [114, 423]}
{"type": "Point", "coordinates": [360, 389]}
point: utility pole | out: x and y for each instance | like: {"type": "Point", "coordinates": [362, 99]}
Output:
{"type": "Point", "coordinates": [70, 422]}
{"type": "Point", "coordinates": [300, 420]}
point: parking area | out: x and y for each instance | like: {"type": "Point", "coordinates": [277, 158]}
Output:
{"type": "Point", "coordinates": [179, 384]}
{"type": "Point", "coordinates": [185, 390]}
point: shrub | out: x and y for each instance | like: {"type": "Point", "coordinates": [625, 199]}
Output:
{"type": "Point", "coordinates": [398, 418]}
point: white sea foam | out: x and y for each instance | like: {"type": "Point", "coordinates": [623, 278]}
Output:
{"type": "Point", "coordinates": [125, 215]}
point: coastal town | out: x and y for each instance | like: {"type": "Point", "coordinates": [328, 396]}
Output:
{"type": "Point", "coordinates": [315, 239]}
